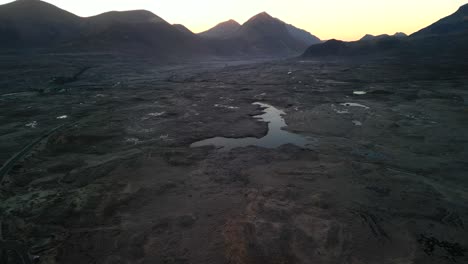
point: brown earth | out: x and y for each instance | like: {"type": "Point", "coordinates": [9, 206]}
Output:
{"type": "Point", "coordinates": [120, 183]}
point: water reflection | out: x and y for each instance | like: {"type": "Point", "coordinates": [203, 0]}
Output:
{"type": "Point", "coordinates": [275, 137]}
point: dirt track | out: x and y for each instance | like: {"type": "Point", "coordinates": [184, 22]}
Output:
{"type": "Point", "coordinates": [382, 184]}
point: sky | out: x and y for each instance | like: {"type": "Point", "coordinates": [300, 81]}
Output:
{"type": "Point", "coordinates": [327, 19]}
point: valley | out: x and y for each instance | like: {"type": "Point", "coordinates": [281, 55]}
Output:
{"type": "Point", "coordinates": [120, 183]}
{"type": "Point", "coordinates": [127, 139]}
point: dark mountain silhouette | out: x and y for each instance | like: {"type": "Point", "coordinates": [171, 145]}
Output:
{"type": "Point", "coordinates": [37, 24]}
{"type": "Point", "coordinates": [302, 35]}
{"type": "Point", "coordinates": [328, 48]}
{"type": "Point", "coordinates": [151, 36]}
{"type": "Point", "coordinates": [109, 19]}
{"type": "Point", "coordinates": [264, 34]}
{"type": "Point", "coordinates": [372, 37]}
{"type": "Point", "coordinates": [453, 24]}
{"type": "Point", "coordinates": [222, 30]}
{"type": "Point", "coordinates": [33, 23]}
{"type": "Point", "coordinates": [261, 35]}
{"type": "Point", "coordinates": [183, 29]}
{"type": "Point", "coordinates": [400, 35]}
{"type": "Point", "coordinates": [137, 32]}
{"type": "Point", "coordinates": [358, 48]}
{"type": "Point", "coordinates": [445, 39]}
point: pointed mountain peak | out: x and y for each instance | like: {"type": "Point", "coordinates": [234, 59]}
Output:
{"type": "Point", "coordinates": [263, 17]}
{"type": "Point", "coordinates": [223, 30]}
{"type": "Point", "coordinates": [263, 14]}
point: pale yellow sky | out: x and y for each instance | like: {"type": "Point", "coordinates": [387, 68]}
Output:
{"type": "Point", "coordinates": [341, 19]}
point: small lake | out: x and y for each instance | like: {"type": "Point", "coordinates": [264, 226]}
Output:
{"type": "Point", "coordinates": [275, 137]}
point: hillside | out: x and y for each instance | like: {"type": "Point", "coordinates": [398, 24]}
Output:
{"type": "Point", "coordinates": [222, 31]}
{"type": "Point", "coordinates": [266, 34]}
{"type": "Point", "coordinates": [453, 24]}
{"type": "Point", "coordinates": [33, 23]}
{"type": "Point", "coordinates": [445, 39]}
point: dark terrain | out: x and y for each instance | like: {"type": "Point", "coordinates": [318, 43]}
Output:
{"type": "Point", "coordinates": [34, 24]}
{"type": "Point", "coordinates": [446, 38]}
{"type": "Point", "coordinates": [100, 163]}
{"type": "Point", "coordinates": [120, 184]}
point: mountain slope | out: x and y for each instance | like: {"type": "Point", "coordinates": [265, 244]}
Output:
{"type": "Point", "coordinates": [150, 36]}
{"type": "Point", "coordinates": [222, 30]}
{"type": "Point", "coordinates": [105, 20]}
{"type": "Point", "coordinates": [34, 23]}
{"type": "Point", "coordinates": [453, 24]}
{"type": "Point", "coordinates": [446, 39]}
{"type": "Point", "coordinates": [302, 35]}
{"type": "Point", "coordinates": [183, 29]}
{"type": "Point", "coordinates": [261, 35]}
{"type": "Point", "coordinates": [268, 35]}
{"type": "Point", "coordinates": [156, 39]}
{"type": "Point", "coordinates": [334, 47]}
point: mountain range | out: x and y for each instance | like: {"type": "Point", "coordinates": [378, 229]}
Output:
{"type": "Point", "coordinates": [447, 37]}
{"type": "Point", "coordinates": [372, 37]}
{"type": "Point", "coordinates": [33, 24]}
{"type": "Point", "coordinates": [37, 24]}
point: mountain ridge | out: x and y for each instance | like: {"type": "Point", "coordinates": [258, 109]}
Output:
{"type": "Point", "coordinates": [452, 24]}
{"type": "Point", "coordinates": [222, 30]}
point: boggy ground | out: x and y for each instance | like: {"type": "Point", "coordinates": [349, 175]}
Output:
{"type": "Point", "coordinates": [120, 183]}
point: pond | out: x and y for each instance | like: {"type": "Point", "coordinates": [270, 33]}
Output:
{"type": "Point", "coordinates": [275, 137]}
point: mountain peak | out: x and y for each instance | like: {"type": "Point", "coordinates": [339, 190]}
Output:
{"type": "Point", "coordinates": [139, 14]}
{"type": "Point", "coordinates": [223, 30]}
{"type": "Point", "coordinates": [34, 12]}
{"type": "Point", "coordinates": [367, 37]}
{"type": "Point", "coordinates": [27, 1]}
{"type": "Point", "coordinates": [400, 35]}
{"type": "Point", "coordinates": [231, 22]}
{"type": "Point", "coordinates": [29, 4]}
{"type": "Point", "coordinates": [126, 17]}
{"type": "Point", "coordinates": [262, 15]}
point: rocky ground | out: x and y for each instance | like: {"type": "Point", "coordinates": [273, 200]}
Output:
{"type": "Point", "coordinates": [385, 181]}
